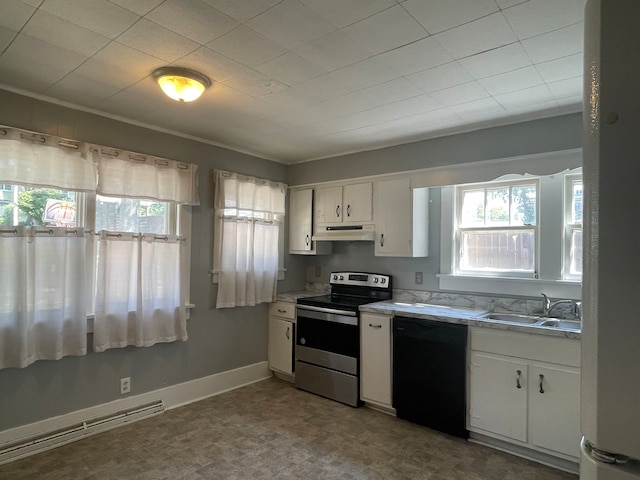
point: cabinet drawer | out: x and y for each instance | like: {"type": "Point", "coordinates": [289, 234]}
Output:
{"type": "Point", "coordinates": [283, 309]}
{"type": "Point", "coordinates": [563, 351]}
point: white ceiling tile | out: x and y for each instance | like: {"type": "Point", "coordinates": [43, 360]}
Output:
{"type": "Point", "coordinates": [212, 64]}
{"type": "Point", "coordinates": [341, 13]}
{"type": "Point", "coordinates": [242, 10]}
{"type": "Point", "coordinates": [62, 33]}
{"type": "Point", "coordinates": [417, 56]}
{"type": "Point", "coordinates": [193, 19]}
{"type": "Point", "coordinates": [509, 3]}
{"type": "Point", "coordinates": [254, 83]}
{"type": "Point", "coordinates": [533, 110]}
{"type": "Point", "coordinates": [561, 69]}
{"type": "Point", "coordinates": [478, 108]}
{"type": "Point", "coordinates": [141, 7]}
{"type": "Point", "coordinates": [15, 14]}
{"type": "Point", "coordinates": [290, 69]}
{"type": "Point", "coordinates": [440, 77]}
{"type": "Point", "coordinates": [289, 99]}
{"type": "Point", "coordinates": [556, 44]}
{"type": "Point", "coordinates": [76, 88]}
{"type": "Point", "coordinates": [247, 46]}
{"type": "Point", "coordinates": [345, 104]}
{"type": "Point", "coordinates": [542, 16]}
{"type": "Point", "coordinates": [410, 106]}
{"type": "Point", "coordinates": [151, 38]}
{"type": "Point", "coordinates": [33, 3]}
{"type": "Point", "coordinates": [500, 60]}
{"type": "Point", "coordinates": [464, 93]}
{"type": "Point", "coordinates": [6, 36]}
{"type": "Point", "coordinates": [525, 98]}
{"type": "Point", "coordinates": [478, 36]}
{"type": "Point", "coordinates": [35, 77]}
{"type": "Point", "coordinates": [571, 87]}
{"type": "Point", "coordinates": [118, 65]}
{"type": "Point", "coordinates": [575, 102]}
{"type": "Point", "coordinates": [512, 81]}
{"type": "Point", "coordinates": [393, 91]}
{"type": "Point", "coordinates": [334, 51]}
{"type": "Point", "coordinates": [439, 15]}
{"type": "Point", "coordinates": [100, 16]}
{"type": "Point", "coordinates": [37, 51]}
{"type": "Point", "coordinates": [386, 30]}
{"type": "Point", "coordinates": [291, 24]}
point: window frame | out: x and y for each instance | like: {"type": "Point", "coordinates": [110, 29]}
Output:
{"type": "Point", "coordinates": [459, 230]}
{"type": "Point", "coordinates": [570, 227]}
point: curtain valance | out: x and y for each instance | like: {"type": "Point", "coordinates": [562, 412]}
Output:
{"type": "Point", "coordinates": [124, 174]}
{"type": "Point", "coordinates": [34, 159]}
{"type": "Point", "coordinates": [44, 160]}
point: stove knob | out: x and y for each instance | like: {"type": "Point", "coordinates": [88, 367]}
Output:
{"type": "Point", "coordinates": [335, 277]}
{"type": "Point", "coordinates": [383, 280]}
{"type": "Point", "coordinates": [375, 279]}
{"type": "Point", "coordinates": [341, 277]}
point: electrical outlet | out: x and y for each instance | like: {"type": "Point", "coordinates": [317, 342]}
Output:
{"type": "Point", "coordinates": [418, 278]}
{"type": "Point", "coordinates": [125, 385]}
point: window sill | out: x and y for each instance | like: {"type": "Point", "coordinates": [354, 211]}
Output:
{"type": "Point", "coordinates": [90, 318]}
{"type": "Point", "coordinates": [530, 287]}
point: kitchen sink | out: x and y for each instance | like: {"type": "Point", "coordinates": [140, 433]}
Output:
{"type": "Point", "coordinates": [563, 324]}
{"type": "Point", "coordinates": [512, 318]}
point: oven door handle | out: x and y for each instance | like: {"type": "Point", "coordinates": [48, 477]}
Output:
{"type": "Point", "coordinates": [334, 311]}
{"type": "Point", "coordinates": [327, 316]}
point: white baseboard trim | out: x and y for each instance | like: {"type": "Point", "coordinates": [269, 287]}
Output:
{"type": "Point", "coordinates": [172, 397]}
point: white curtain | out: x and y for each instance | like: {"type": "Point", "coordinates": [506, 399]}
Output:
{"type": "Point", "coordinates": [122, 174]}
{"type": "Point", "coordinates": [42, 294]}
{"type": "Point", "coordinates": [249, 214]}
{"type": "Point", "coordinates": [139, 300]}
{"type": "Point", "coordinates": [45, 161]}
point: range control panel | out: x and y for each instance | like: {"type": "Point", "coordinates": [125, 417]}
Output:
{"type": "Point", "coordinates": [360, 279]}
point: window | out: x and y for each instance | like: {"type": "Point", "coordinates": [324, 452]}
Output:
{"type": "Point", "coordinates": [99, 247]}
{"type": "Point", "coordinates": [496, 230]}
{"type": "Point", "coordinates": [248, 238]}
{"type": "Point", "coordinates": [573, 227]}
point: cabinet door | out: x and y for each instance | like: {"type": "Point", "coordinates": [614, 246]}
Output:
{"type": "Point", "coordinates": [357, 202]}
{"type": "Point", "coordinates": [498, 396]}
{"type": "Point", "coordinates": [300, 225]}
{"type": "Point", "coordinates": [329, 205]}
{"type": "Point", "coordinates": [375, 359]}
{"type": "Point", "coordinates": [280, 345]}
{"type": "Point", "coordinates": [393, 218]}
{"type": "Point", "coordinates": [554, 408]}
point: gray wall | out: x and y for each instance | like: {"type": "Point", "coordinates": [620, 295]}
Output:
{"type": "Point", "coordinates": [527, 138]}
{"type": "Point", "coordinates": [219, 340]}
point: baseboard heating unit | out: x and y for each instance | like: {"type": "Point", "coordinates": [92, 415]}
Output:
{"type": "Point", "coordinates": [46, 441]}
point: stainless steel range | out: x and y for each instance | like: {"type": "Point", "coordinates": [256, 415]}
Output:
{"type": "Point", "coordinates": [328, 335]}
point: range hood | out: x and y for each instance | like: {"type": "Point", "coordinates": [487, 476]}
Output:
{"type": "Point", "coordinates": [346, 233]}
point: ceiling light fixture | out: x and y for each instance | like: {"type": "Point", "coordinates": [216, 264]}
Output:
{"type": "Point", "coordinates": [181, 84]}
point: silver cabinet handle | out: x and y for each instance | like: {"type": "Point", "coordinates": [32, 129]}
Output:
{"type": "Point", "coordinates": [287, 333]}
{"type": "Point", "coordinates": [541, 379]}
{"type": "Point", "coordinates": [519, 372]}
{"type": "Point", "coordinates": [375, 326]}
{"type": "Point", "coordinates": [306, 240]}
{"type": "Point", "coordinates": [337, 210]}
{"type": "Point", "coordinates": [382, 239]}
{"type": "Point", "coordinates": [348, 210]}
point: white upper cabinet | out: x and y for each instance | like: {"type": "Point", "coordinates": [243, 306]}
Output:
{"type": "Point", "coordinates": [301, 225]}
{"type": "Point", "coordinates": [401, 217]}
{"type": "Point", "coordinates": [344, 204]}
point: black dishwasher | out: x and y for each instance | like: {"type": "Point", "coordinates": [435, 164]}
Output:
{"type": "Point", "coordinates": [429, 374]}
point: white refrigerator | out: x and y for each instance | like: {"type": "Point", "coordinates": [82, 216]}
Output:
{"type": "Point", "coordinates": [611, 276]}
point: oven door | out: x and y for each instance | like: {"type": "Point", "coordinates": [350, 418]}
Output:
{"type": "Point", "coordinates": [328, 338]}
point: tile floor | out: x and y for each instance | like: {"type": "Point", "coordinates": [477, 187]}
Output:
{"type": "Point", "coordinates": [270, 430]}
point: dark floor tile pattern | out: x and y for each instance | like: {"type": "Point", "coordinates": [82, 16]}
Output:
{"type": "Point", "coordinates": [270, 430]}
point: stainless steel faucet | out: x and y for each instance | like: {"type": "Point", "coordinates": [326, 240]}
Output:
{"type": "Point", "coordinates": [547, 305]}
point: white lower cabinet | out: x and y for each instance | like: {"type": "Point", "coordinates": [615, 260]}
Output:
{"type": "Point", "coordinates": [375, 359]}
{"type": "Point", "coordinates": [281, 337]}
{"type": "Point", "coordinates": [525, 389]}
